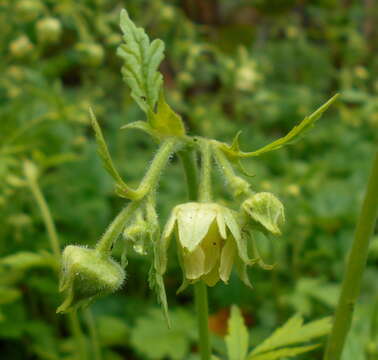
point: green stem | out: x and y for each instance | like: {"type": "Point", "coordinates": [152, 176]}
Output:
{"type": "Point", "coordinates": [200, 293]}
{"type": "Point", "coordinates": [189, 162]}
{"type": "Point", "coordinates": [78, 335]}
{"type": "Point", "coordinates": [200, 289]}
{"type": "Point", "coordinates": [205, 191]}
{"type": "Point", "coordinates": [237, 184]}
{"type": "Point", "coordinates": [354, 269]}
{"type": "Point", "coordinates": [96, 348]}
{"type": "Point", "coordinates": [46, 216]}
{"type": "Point", "coordinates": [55, 247]}
{"type": "Point", "coordinates": [105, 244]}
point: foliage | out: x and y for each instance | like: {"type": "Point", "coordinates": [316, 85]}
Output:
{"type": "Point", "coordinates": [227, 66]}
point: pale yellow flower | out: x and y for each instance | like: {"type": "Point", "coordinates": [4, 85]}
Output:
{"type": "Point", "coordinates": [209, 242]}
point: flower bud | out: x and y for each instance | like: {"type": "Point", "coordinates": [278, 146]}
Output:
{"type": "Point", "coordinates": [87, 274]}
{"type": "Point", "coordinates": [21, 47]}
{"type": "Point", "coordinates": [91, 54]}
{"type": "Point", "coordinates": [267, 210]}
{"type": "Point", "coordinates": [48, 30]}
{"type": "Point", "coordinates": [28, 10]}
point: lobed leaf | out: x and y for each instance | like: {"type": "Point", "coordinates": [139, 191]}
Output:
{"type": "Point", "coordinates": [293, 135]}
{"type": "Point", "coordinates": [283, 353]}
{"type": "Point", "coordinates": [141, 61]}
{"type": "Point", "coordinates": [237, 338]}
{"type": "Point", "coordinates": [294, 332]}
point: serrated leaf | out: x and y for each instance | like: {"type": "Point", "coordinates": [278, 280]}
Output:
{"type": "Point", "coordinates": [237, 338]}
{"type": "Point", "coordinates": [141, 61]}
{"type": "Point", "coordinates": [283, 353]}
{"type": "Point", "coordinates": [293, 135]}
{"type": "Point", "coordinates": [165, 121]}
{"type": "Point", "coordinates": [294, 332]}
{"type": "Point", "coordinates": [156, 284]}
{"type": "Point", "coordinates": [107, 161]}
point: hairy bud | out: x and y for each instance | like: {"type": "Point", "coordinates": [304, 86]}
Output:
{"type": "Point", "coordinates": [87, 274]}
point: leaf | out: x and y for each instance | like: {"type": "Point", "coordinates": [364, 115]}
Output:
{"type": "Point", "coordinates": [141, 61]}
{"type": "Point", "coordinates": [151, 338]}
{"type": "Point", "coordinates": [237, 337]}
{"type": "Point", "coordinates": [293, 135]}
{"type": "Point", "coordinates": [294, 332]}
{"type": "Point", "coordinates": [107, 161]}
{"type": "Point", "coordinates": [24, 260]}
{"type": "Point", "coordinates": [283, 353]}
{"type": "Point", "coordinates": [8, 294]}
{"type": "Point", "coordinates": [166, 122]}
{"type": "Point", "coordinates": [156, 283]}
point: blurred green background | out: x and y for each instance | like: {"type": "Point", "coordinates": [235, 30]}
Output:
{"type": "Point", "coordinates": [253, 65]}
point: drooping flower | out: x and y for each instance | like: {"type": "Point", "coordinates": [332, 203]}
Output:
{"type": "Point", "coordinates": [209, 243]}
{"type": "Point", "coordinates": [87, 274]}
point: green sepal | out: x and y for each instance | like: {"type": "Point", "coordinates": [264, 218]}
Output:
{"type": "Point", "coordinates": [142, 126]}
{"type": "Point", "coordinates": [122, 188]}
{"type": "Point", "coordinates": [233, 150]}
{"type": "Point", "coordinates": [87, 274]}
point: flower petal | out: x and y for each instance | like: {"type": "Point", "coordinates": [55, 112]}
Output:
{"type": "Point", "coordinates": [211, 246]}
{"type": "Point", "coordinates": [194, 263]}
{"type": "Point", "coordinates": [212, 277]}
{"type": "Point", "coordinates": [194, 220]}
{"type": "Point", "coordinates": [227, 259]}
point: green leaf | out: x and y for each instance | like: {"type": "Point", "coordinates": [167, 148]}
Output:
{"type": "Point", "coordinates": [237, 337]}
{"type": "Point", "coordinates": [294, 332]}
{"type": "Point", "coordinates": [8, 294]}
{"type": "Point", "coordinates": [141, 61]}
{"type": "Point", "coordinates": [294, 134]}
{"type": "Point", "coordinates": [24, 260]}
{"type": "Point", "coordinates": [156, 282]}
{"type": "Point", "coordinates": [107, 161]}
{"type": "Point", "coordinates": [152, 339]}
{"type": "Point", "coordinates": [283, 353]}
{"type": "Point", "coordinates": [166, 122]}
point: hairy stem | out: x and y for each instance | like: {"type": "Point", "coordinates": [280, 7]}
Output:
{"type": "Point", "coordinates": [205, 191]}
{"type": "Point", "coordinates": [105, 244]}
{"type": "Point", "coordinates": [189, 162]}
{"type": "Point", "coordinates": [354, 269]}
{"type": "Point", "coordinates": [200, 289]}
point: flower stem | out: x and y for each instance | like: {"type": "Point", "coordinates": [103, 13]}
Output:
{"type": "Point", "coordinates": [200, 293]}
{"type": "Point", "coordinates": [200, 289]}
{"type": "Point", "coordinates": [205, 191]}
{"type": "Point", "coordinates": [354, 269]}
{"type": "Point", "coordinates": [115, 228]}
{"type": "Point", "coordinates": [55, 247]}
{"type": "Point", "coordinates": [189, 162]}
{"type": "Point", "coordinates": [46, 216]}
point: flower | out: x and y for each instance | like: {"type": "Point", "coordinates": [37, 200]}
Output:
{"type": "Point", "coordinates": [266, 211]}
{"type": "Point", "coordinates": [209, 242]}
{"type": "Point", "coordinates": [86, 274]}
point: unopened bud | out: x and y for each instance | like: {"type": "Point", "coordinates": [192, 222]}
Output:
{"type": "Point", "coordinates": [87, 274]}
{"type": "Point", "coordinates": [267, 210]}
{"type": "Point", "coordinates": [48, 30]}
